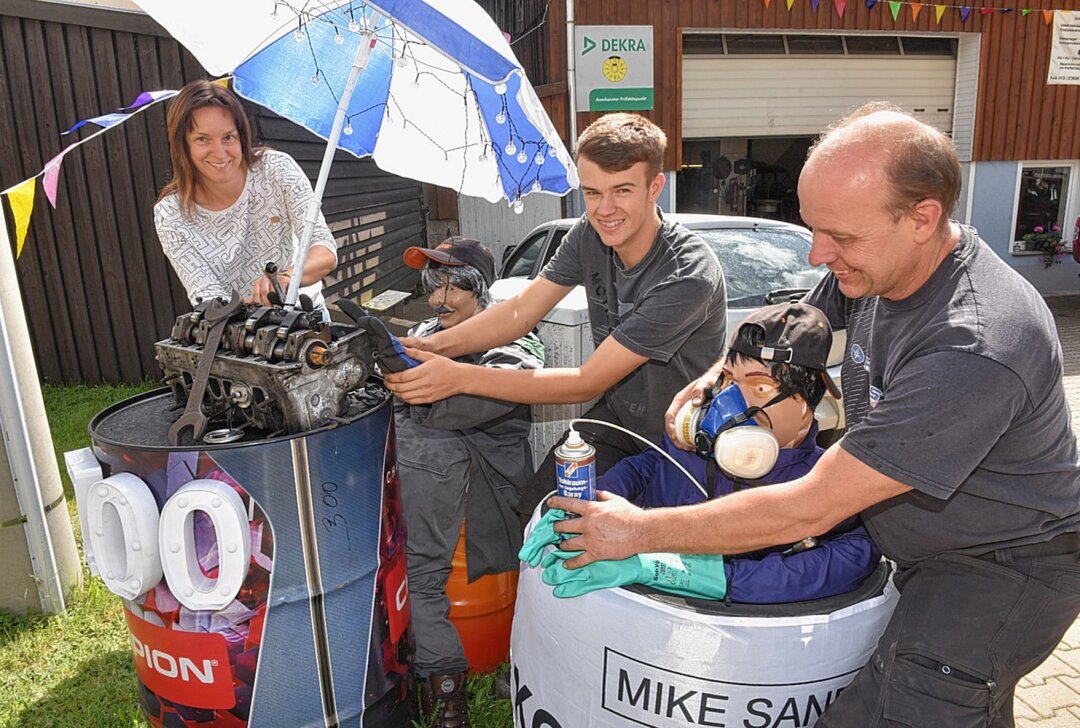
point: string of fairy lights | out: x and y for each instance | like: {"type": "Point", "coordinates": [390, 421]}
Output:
{"type": "Point", "coordinates": [354, 17]}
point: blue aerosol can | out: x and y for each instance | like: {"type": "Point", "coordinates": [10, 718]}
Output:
{"type": "Point", "coordinates": [575, 468]}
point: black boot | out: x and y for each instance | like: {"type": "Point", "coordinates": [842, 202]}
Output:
{"type": "Point", "coordinates": [443, 700]}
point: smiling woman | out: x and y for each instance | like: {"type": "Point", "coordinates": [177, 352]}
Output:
{"type": "Point", "coordinates": [232, 208]}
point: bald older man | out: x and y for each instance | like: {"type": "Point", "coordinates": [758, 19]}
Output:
{"type": "Point", "coordinates": [959, 454]}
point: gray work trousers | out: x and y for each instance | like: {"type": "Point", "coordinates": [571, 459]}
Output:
{"type": "Point", "coordinates": [433, 502]}
{"type": "Point", "coordinates": [964, 632]}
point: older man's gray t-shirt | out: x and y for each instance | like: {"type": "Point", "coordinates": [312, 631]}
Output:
{"type": "Point", "coordinates": [957, 392]}
{"type": "Point", "coordinates": [671, 307]}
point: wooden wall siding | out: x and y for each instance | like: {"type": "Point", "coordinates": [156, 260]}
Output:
{"type": "Point", "coordinates": [1018, 116]}
{"type": "Point", "coordinates": [96, 286]}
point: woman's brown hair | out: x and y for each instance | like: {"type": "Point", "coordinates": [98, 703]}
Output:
{"type": "Point", "coordinates": [192, 97]}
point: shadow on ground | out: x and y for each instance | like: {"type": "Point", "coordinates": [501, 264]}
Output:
{"type": "Point", "coordinates": [102, 694]}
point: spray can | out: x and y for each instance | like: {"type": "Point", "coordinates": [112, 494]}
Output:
{"type": "Point", "coordinates": [575, 468]}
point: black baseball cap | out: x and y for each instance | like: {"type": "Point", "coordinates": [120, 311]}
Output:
{"type": "Point", "coordinates": [796, 333]}
{"type": "Point", "coordinates": [455, 251]}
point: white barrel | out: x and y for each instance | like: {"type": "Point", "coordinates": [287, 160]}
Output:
{"type": "Point", "coordinates": [619, 657]}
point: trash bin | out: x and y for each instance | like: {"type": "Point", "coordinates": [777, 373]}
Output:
{"type": "Point", "coordinates": [482, 611]}
{"type": "Point", "coordinates": [263, 581]}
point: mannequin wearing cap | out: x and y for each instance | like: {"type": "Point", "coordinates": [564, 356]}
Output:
{"type": "Point", "coordinates": [457, 445]}
{"type": "Point", "coordinates": [782, 397]}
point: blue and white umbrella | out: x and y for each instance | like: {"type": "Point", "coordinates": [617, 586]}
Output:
{"type": "Point", "coordinates": [430, 89]}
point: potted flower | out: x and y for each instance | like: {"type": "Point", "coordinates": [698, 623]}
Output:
{"type": "Point", "coordinates": [1047, 242]}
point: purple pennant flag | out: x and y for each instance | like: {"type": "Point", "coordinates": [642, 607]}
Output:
{"type": "Point", "coordinates": [148, 97]}
{"type": "Point", "coordinates": [814, 4]}
{"type": "Point", "coordinates": [107, 120]}
{"type": "Point", "coordinates": [870, 4]}
{"type": "Point", "coordinates": [965, 12]}
{"type": "Point", "coordinates": [1006, 10]}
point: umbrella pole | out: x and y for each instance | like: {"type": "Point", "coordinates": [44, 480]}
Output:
{"type": "Point", "coordinates": [360, 61]}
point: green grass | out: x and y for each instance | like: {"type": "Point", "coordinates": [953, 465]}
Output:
{"type": "Point", "coordinates": [76, 671]}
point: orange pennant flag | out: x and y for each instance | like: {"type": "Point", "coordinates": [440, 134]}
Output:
{"type": "Point", "coordinates": [766, 3]}
{"type": "Point", "coordinates": [1048, 16]}
{"type": "Point", "coordinates": [789, 4]}
{"type": "Point", "coordinates": [21, 197]}
{"type": "Point", "coordinates": [916, 8]}
{"type": "Point", "coordinates": [939, 10]}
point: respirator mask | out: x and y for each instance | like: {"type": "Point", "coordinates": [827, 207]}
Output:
{"type": "Point", "coordinates": [723, 428]}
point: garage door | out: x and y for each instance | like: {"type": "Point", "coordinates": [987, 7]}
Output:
{"type": "Point", "coordinates": [729, 96]}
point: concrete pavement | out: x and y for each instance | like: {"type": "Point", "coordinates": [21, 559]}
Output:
{"type": "Point", "coordinates": [1050, 696]}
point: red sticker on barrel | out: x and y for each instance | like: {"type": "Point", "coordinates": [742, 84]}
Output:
{"type": "Point", "coordinates": [397, 600]}
{"type": "Point", "coordinates": [189, 668]}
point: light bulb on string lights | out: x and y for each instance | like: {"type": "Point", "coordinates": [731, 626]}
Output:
{"type": "Point", "coordinates": [347, 130]}
{"type": "Point", "coordinates": [510, 148]}
{"type": "Point", "coordinates": [315, 79]}
{"type": "Point", "coordinates": [500, 118]}
{"type": "Point", "coordinates": [522, 157]}
{"type": "Point", "coordinates": [538, 159]}
{"type": "Point", "coordinates": [354, 27]}
{"type": "Point", "coordinates": [338, 37]}
{"type": "Point", "coordinates": [500, 88]}
{"type": "Point", "coordinates": [536, 186]}
{"type": "Point", "coordinates": [519, 206]}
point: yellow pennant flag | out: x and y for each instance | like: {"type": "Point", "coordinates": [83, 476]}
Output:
{"type": "Point", "coordinates": [916, 8]}
{"type": "Point", "coordinates": [1048, 16]}
{"type": "Point", "coordinates": [939, 10]}
{"type": "Point", "coordinates": [789, 4]}
{"type": "Point", "coordinates": [223, 82]}
{"type": "Point", "coordinates": [21, 198]}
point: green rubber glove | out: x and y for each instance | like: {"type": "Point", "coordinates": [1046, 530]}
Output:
{"type": "Point", "coordinates": [542, 535]}
{"type": "Point", "coordinates": [689, 575]}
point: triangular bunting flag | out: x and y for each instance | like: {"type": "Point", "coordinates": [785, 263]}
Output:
{"type": "Point", "coordinates": [1006, 10]}
{"type": "Point", "coordinates": [814, 4]}
{"type": "Point", "coordinates": [789, 4]}
{"type": "Point", "coordinates": [916, 8]}
{"type": "Point", "coordinates": [51, 174]}
{"type": "Point", "coordinates": [21, 198]}
{"type": "Point", "coordinates": [839, 5]}
{"type": "Point", "coordinates": [766, 3]}
{"type": "Point", "coordinates": [1024, 12]}
{"type": "Point", "coordinates": [965, 12]}
{"type": "Point", "coordinates": [870, 4]}
{"type": "Point", "coordinates": [939, 10]}
{"type": "Point", "coordinates": [1048, 16]}
{"type": "Point", "coordinates": [895, 9]}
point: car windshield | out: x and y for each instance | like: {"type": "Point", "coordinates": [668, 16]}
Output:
{"type": "Point", "coordinates": [759, 261]}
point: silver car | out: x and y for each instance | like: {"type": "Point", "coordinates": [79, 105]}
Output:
{"type": "Point", "coordinates": [764, 261]}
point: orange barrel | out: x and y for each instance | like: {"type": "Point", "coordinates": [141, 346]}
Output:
{"type": "Point", "coordinates": [481, 611]}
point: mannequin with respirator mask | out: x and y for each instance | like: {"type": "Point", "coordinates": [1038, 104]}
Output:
{"type": "Point", "coordinates": [756, 428]}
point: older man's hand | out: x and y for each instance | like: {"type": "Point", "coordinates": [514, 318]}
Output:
{"type": "Point", "coordinates": [436, 378]}
{"type": "Point", "coordinates": [610, 528]}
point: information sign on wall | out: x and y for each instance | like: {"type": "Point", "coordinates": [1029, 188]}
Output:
{"type": "Point", "coordinates": [1065, 48]}
{"type": "Point", "coordinates": [614, 67]}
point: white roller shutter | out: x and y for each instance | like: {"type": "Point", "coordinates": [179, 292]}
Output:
{"type": "Point", "coordinates": [755, 96]}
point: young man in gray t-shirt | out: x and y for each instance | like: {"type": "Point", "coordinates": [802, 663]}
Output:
{"type": "Point", "coordinates": [657, 305]}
